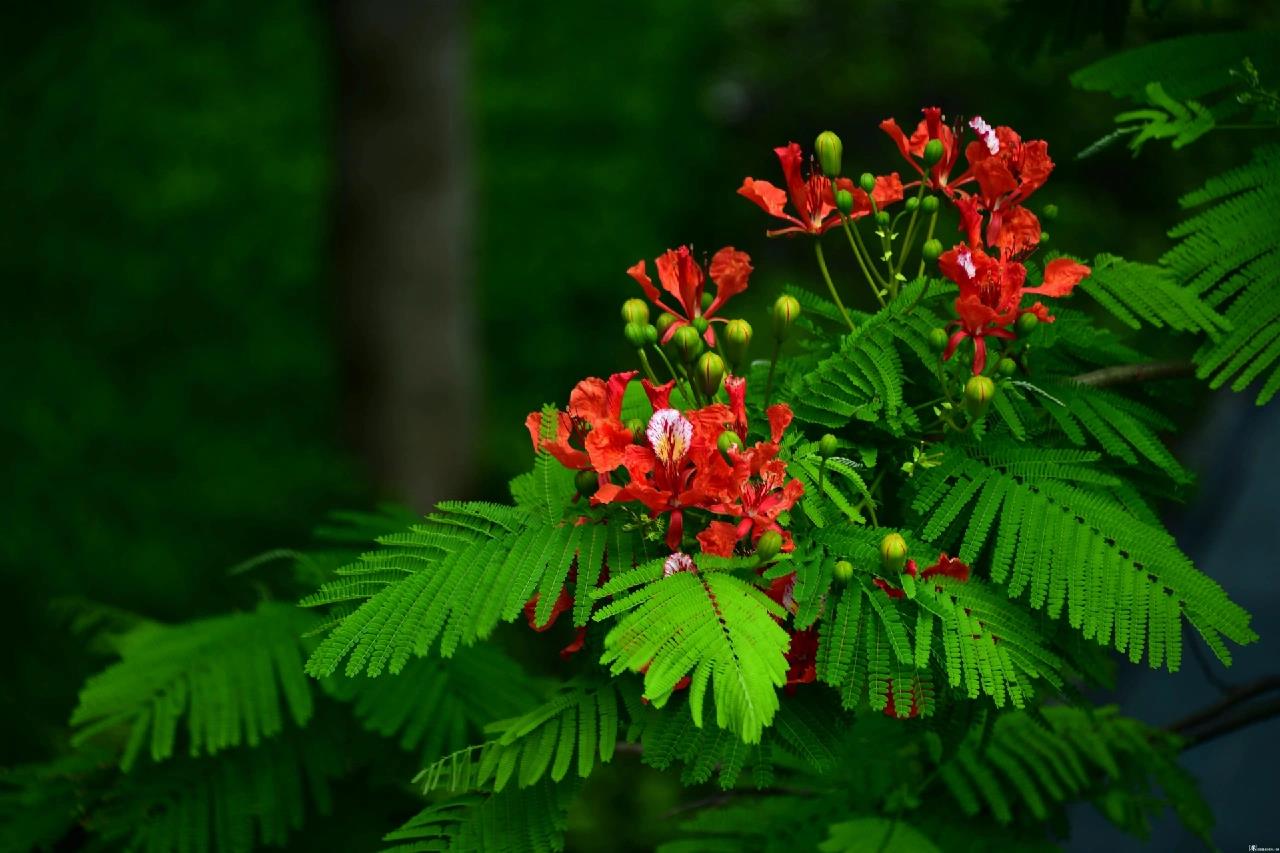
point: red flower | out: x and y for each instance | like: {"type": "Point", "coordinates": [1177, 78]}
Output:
{"type": "Point", "coordinates": [682, 277]}
{"type": "Point", "coordinates": [590, 435]}
{"type": "Point", "coordinates": [1007, 170]}
{"type": "Point", "coordinates": [802, 655]}
{"type": "Point", "coordinates": [947, 566]}
{"type": "Point", "coordinates": [811, 198]}
{"type": "Point", "coordinates": [930, 127]}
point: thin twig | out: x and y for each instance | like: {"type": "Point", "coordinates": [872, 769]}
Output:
{"type": "Point", "coordinates": [1255, 714]}
{"type": "Point", "coordinates": [1121, 374]}
{"type": "Point", "coordinates": [1241, 694]}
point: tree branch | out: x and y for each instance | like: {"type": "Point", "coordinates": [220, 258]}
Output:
{"type": "Point", "coordinates": [1217, 719]}
{"type": "Point", "coordinates": [1121, 374]}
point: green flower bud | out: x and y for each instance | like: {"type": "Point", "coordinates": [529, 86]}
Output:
{"type": "Point", "coordinates": [893, 554]}
{"type": "Point", "coordinates": [978, 392]}
{"type": "Point", "coordinates": [586, 482]}
{"type": "Point", "coordinates": [912, 203]}
{"type": "Point", "coordinates": [706, 301]}
{"type": "Point", "coordinates": [932, 151]}
{"type": "Point", "coordinates": [664, 322]}
{"type": "Point", "coordinates": [769, 544]}
{"type": "Point", "coordinates": [688, 343]}
{"type": "Point", "coordinates": [710, 373]}
{"type": "Point", "coordinates": [931, 249]}
{"type": "Point", "coordinates": [727, 440]}
{"type": "Point", "coordinates": [635, 311]}
{"type": "Point", "coordinates": [829, 149]}
{"type": "Point", "coordinates": [785, 312]}
{"type": "Point", "coordinates": [844, 202]}
{"type": "Point", "coordinates": [1027, 323]}
{"type": "Point", "coordinates": [1050, 212]}
{"type": "Point", "coordinates": [867, 182]}
{"type": "Point", "coordinates": [650, 333]}
{"type": "Point", "coordinates": [1007, 367]}
{"type": "Point", "coordinates": [827, 446]}
{"type": "Point", "coordinates": [882, 218]}
{"type": "Point", "coordinates": [700, 323]}
{"type": "Point", "coordinates": [930, 204]}
{"type": "Point", "coordinates": [636, 427]}
{"type": "Point", "coordinates": [937, 339]}
{"type": "Point", "coordinates": [737, 338]}
{"type": "Point", "coordinates": [636, 335]}
{"type": "Point", "coordinates": [1044, 236]}
{"type": "Point", "coordinates": [843, 571]}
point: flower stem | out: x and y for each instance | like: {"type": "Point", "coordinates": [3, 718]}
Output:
{"type": "Point", "coordinates": [911, 230]}
{"type": "Point", "coordinates": [933, 221]}
{"type": "Point", "coordinates": [773, 362]}
{"type": "Point", "coordinates": [648, 370]}
{"type": "Point", "coordinates": [826, 276]}
{"type": "Point", "coordinates": [869, 273]}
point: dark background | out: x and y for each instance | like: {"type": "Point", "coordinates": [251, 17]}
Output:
{"type": "Point", "coordinates": [260, 261]}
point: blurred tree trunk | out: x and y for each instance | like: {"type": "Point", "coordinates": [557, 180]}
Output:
{"type": "Point", "coordinates": [402, 240]}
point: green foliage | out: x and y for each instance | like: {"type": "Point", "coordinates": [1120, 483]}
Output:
{"type": "Point", "coordinates": [1136, 293]}
{"type": "Point", "coordinates": [517, 820]}
{"type": "Point", "coordinates": [711, 626]}
{"type": "Point", "coordinates": [1075, 550]}
{"type": "Point", "coordinates": [231, 679]}
{"type": "Point", "coordinates": [876, 835]}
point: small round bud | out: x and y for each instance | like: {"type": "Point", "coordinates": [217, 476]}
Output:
{"type": "Point", "coordinates": [706, 301]}
{"type": "Point", "coordinates": [1044, 236]}
{"type": "Point", "coordinates": [827, 446]}
{"type": "Point", "coordinates": [710, 373]}
{"type": "Point", "coordinates": [893, 553]}
{"type": "Point", "coordinates": [650, 333]}
{"type": "Point", "coordinates": [636, 427]}
{"type": "Point", "coordinates": [931, 250]}
{"type": "Point", "coordinates": [930, 204]}
{"type": "Point", "coordinates": [688, 343]}
{"type": "Point", "coordinates": [932, 151]}
{"type": "Point", "coordinates": [1027, 323]}
{"type": "Point", "coordinates": [882, 218]}
{"type": "Point", "coordinates": [843, 571]}
{"type": "Point", "coordinates": [636, 335]}
{"type": "Point", "coordinates": [1050, 212]}
{"type": "Point", "coordinates": [912, 203]}
{"type": "Point", "coordinates": [978, 392]}
{"type": "Point", "coordinates": [664, 322]}
{"type": "Point", "coordinates": [768, 545]}
{"type": "Point", "coordinates": [867, 181]}
{"type": "Point", "coordinates": [829, 150]}
{"type": "Point", "coordinates": [737, 338]}
{"type": "Point", "coordinates": [785, 312]}
{"type": "Point", "coordinates": [937, 339]}
{"type": "Point", "coordinates": [635, 311]}
{"type": "Point", "coordinates": [844, 202]}
{"type": "Point", "coordinates": [1007, 367]}
{"type": "Point", "coordinates": [586, 482]}
{"type": "Point", "coordinates": [700, 323]}
{"type": "Point", "coordinates": [728, 439]}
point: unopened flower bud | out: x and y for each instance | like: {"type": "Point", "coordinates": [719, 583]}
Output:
{"type": "Point", "coordinates": [882, 218]}
{"type": "Point", "coordinates": [636, 427]}
{"type": "Point", "coordinates": [930, 204]}
{"type": "Point", "coordinates": [1027, 323]}
{"type": "Point", "coordinates": [867, 181]}
{"type": "Point", "coordinates": [932, 151]}
{"type": "Point", "coordinates": [635, 311]}
{"type": "Point", "coordinates": [829, 150]}
{"type": "Point", "coordinates": [650, 333]}
{"type": "Point", "coordinates": [978, 392]}
{"type": "Point", "coordinates": [937, 339]}
{"type": "Point", "coordinates": [931, 250]}
{"type": "Point", "coordinates": [785, 312]}
{"type": "Point", "coordinates": [710, 373]}
{"type": "Point", "coordinates": [586, 482]}
{"type": "Point", "coordinates": [912, 203]}
{"type": "Point", "coordinates": [706, 301]}
{"type": "Point", "coordinates": [636, 335]}
{"type": "Point", "coordinates": [1044, 236]}
{"type": "Point", "coordinates": [727, 440]}
{"type": "Point", "coordinates": [843, 571]}
{"type": "Point", "coordinates": [768, 545]}
{"type": "Point", "coordinates": [893, 553]}
{"type": "Point", "coordinates": [688, 343]}
{"type": "Point", "coordinates": [827, 446]}
{"type": "Point", "coordinates": [844, 202]}
{"type": "Point", "coordinates": [1007, 367]}
{"type": "Point", "coordinates": [664, 322]}
{"type": "Point", "coordinates": [700, 323]}
{"type": "Point", "coordinates": [737, 338]}
{"type": "Point", "coordinates": [1050, 212]}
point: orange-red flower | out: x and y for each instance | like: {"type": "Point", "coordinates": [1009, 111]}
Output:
{"type": "Point", "coordinates": [683, 278]}
{"type": "Point", "coordinates": [590, 435]}
{"type": "Point", "coordinates": [930, 127]}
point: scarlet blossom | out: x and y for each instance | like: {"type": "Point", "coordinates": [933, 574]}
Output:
{"type": "Point", "coordinates": [930, 127]}
{"type": "Point", "coordinates": [590, 435]}
{"type": "Point", "coordinates": [812, 198]}
{"type": "Point", "coordinates": [1007, 170]}
{"type": "Point", "coordinates": [683, 279]}
{"type": "Point", "coordinates": [802, 658]}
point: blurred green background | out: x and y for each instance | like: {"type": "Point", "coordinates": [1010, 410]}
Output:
{"type": "Point", "coordinates": [193, 193]}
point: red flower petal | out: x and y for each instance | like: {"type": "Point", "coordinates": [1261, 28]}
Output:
{"type": "Point", "coordinates": [659, 395]}
{"type": "Point", "coordinates": [607, 443]}
{"type": "Point", "coordinates": [1061, 275]}
{"type": "Point", "coordinates": [730, 270]}
{"type": "Point", "coordinates": [779, 415]}
{"type": "Point", "coordinates": [719, 539]}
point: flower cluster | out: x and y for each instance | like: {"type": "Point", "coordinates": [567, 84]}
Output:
{"type": "Point", "coordinates": [1000, 232]}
